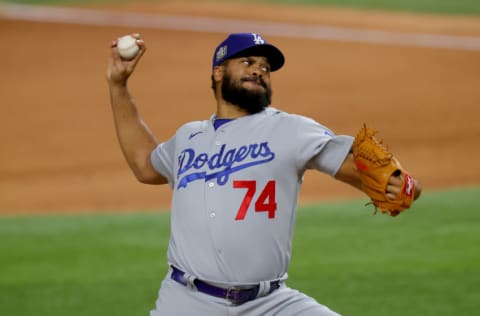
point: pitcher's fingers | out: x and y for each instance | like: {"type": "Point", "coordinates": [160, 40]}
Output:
{"type": "Point", "coordinates": [115, 53]}
{"type": "Point", "coordinates": [391, 196]}
{"type": "Point", "coordinates": [141, 45]}
{"type": "Point", "coordinates": [394, 180]}
{"type": "Point", "coordinates": [393, 189]}
{"type": "Point", "coordinates": [142, 49]}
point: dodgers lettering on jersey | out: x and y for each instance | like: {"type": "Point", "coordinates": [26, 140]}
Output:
{"type": "Point", "coordinates": [221, 164]}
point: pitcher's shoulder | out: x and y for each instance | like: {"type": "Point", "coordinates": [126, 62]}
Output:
{"type": "Point", "coordinates": [283, 115]}
{"type": "Point", "coordinates": [275, 113]}
{"type": "Point", "coordinates": [302, 122]}
{"type": "Point", "coordinates": [193, 127]}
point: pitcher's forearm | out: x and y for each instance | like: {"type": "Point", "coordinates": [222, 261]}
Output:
{"type": "Point", "coordinates": [135, 138]}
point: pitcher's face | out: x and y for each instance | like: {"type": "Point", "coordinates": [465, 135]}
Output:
{"type": "Point", "coordinates": [246, 83]}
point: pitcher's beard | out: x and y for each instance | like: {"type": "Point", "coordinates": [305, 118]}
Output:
{"type": "Point", "coordinates": [250, 101]}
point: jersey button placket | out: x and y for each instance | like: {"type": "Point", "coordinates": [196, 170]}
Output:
{"type": "Point", "coordinates": [215, 217]}
{"type": "Point", "coordinates": [219, 136]}
{"type": "Point", "coordinates": [211, 185]}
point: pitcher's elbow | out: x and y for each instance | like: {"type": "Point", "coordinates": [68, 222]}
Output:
{"type": "Point", "coordinates": [149, 176]}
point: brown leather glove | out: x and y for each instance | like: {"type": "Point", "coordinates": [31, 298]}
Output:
{"type": "Point", "coordinates": [376, 165]}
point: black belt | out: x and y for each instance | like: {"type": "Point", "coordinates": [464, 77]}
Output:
{"type": "Point", "coordinates": [234, 295]}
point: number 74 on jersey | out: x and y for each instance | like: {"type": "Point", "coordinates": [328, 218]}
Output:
{"type": "Point", "coordinates": [265, 202]}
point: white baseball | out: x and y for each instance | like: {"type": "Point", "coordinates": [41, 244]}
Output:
{"type": "Point", "coordinates": [127, 47]}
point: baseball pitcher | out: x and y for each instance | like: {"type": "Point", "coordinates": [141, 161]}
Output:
{"type": "Point", "coordinates": [235, 179]}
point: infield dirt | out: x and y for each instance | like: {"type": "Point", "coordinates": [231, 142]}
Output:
{"type": "Point", "coordinates": [59, 152]}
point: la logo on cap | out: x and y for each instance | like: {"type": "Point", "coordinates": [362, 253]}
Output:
{"type": "Point", "coordinates": [257, 39]}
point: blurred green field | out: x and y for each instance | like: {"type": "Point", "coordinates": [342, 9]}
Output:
{"type": "Point", "coordinates": [463, 7]}
{"type": "Point", "coordinates": [424, 262]}
{"type": "Point", "coordinates": [467, 7]}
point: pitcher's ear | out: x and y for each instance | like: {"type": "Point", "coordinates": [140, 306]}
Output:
{"type": "Point", "coordinates": [217, 73]}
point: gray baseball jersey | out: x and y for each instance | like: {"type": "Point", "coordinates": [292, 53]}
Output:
{"type": "Point", "coordinates": [235, 192]}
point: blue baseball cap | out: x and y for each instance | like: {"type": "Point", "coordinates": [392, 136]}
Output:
{"type": "Point", "coordinates": [248, 44]}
